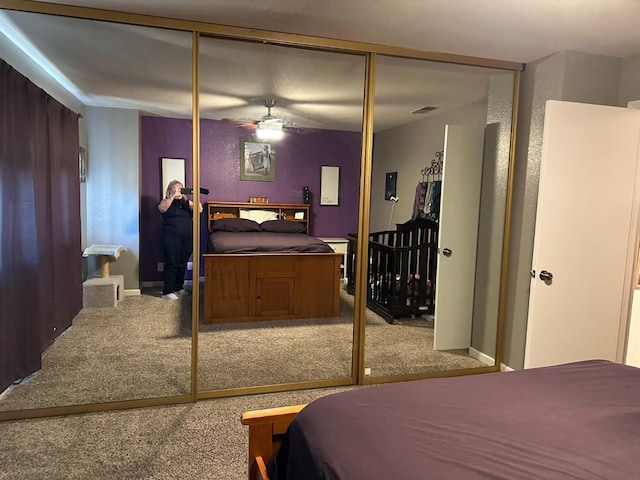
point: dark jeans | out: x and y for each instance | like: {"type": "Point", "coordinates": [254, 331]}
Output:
{"type": "Point", "coordinates": [177, 251]}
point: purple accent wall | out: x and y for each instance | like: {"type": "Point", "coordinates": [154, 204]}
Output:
{"type": "Point", "coordinates": [298, 158]}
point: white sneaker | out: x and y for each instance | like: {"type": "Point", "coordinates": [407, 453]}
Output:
{"type": "Point", "coordinates": [170, 296]}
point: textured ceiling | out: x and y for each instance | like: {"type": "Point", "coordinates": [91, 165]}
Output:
{"type": "Point", "coordinates": [515, 30]}
{"type": "Point", "coordinates": [150, 69]}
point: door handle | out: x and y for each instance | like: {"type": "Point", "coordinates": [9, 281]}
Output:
{"type": "Point", "coordinates": [546, 277]}
{"type": "Point", "coordinates": [447, 252]}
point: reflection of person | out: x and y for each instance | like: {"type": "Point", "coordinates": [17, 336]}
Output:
{"type": "Point", "coordinates": [177, 237]}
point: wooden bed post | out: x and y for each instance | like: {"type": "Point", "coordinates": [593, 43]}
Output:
{"type": "Point", "coordinates": [266, 428]}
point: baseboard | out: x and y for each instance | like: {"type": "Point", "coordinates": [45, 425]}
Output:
{"type": "Point", "coordinates": [483, 357]}
{"type": "Point", "coordinates": [487, 360]}
{"type": "Point", "coordinates": [6, 392]}
{"type": "Point", "coordinates": [130, 292]}
{"type": "Point", "coordinates": [160, 284]}
{"type": "Point", "coordinates": [19, 382]}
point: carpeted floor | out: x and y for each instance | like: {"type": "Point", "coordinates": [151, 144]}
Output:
{"type": "Point", "coordinates": [197, 441]}
{"type": "Point", "coordinates": [142, 349]}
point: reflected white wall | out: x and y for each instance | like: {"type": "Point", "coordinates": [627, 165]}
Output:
{"type": "Point", "coordinates": [113, 200]}
{"type": "Point", "coordinates": [629, 80]}
{"type": "Point", "coordinates": [493, 202]}
{"type": "Point", "coordinates": [407, 149]}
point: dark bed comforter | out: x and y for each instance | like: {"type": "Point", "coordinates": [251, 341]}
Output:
{"type": "Point", "coordinates": [573, 421]}
{"type": "Point", "coordinates": [265, 242]}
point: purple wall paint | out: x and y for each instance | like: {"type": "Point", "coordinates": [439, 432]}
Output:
{"type": "Point", "coordinates": [298, 158]}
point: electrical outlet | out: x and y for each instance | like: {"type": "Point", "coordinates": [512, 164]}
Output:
{"type": "Point", "coordinates": [367, 371]}
{"type": "Point", "coordinates": [189, 265]}
{"type": "Point", "coordinates": [160, 267]}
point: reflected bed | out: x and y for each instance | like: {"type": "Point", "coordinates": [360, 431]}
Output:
{"type": "Point", "coordinates": [262, 265]}
{"type": "Point", "coordinates": [578, 420]}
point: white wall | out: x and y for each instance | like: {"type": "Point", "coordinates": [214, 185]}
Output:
{"type": "Point", "coordinates": [572, 76]}
{"type": "Point", "coordinates": [408, 149]}
{"type": "Point", "coordinates": [113, 200]}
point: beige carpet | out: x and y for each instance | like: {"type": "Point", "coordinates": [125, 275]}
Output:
{"type": "Point", "coordinates": [142, 349]}
{"type": "Point", "coordinates": [197, 441]}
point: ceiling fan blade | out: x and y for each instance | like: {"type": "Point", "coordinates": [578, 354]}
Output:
{"type": "Point", "coordinates": [241, 123]}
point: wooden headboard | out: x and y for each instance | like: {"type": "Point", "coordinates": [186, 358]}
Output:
{"type": "Point", "coordinates": [297, 212]}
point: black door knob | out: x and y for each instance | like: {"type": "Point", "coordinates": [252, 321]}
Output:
{"type": "Point", "coordinates": [545, 276]}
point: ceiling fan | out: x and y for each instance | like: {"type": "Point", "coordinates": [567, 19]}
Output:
{"type": "Point", "coordinates": [268, 126]}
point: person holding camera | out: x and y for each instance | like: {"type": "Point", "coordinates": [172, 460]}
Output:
{"type": "Point", "coordinates": [177, 237]}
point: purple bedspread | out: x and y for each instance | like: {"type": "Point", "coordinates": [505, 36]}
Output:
{"type": "Point", "coordinates": [265, 242]}
{"type": "Point", "coordinates": [573, 421]}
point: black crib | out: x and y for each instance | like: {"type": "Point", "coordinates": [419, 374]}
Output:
{"type": "Point", "coordinates": [402, 269]}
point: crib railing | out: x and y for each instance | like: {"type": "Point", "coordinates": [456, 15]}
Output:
{"type": "Point", "coordinates": [401, 269]}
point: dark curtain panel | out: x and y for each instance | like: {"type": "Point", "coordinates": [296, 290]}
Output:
{"type": "Point", "coordinates": [40, 244]}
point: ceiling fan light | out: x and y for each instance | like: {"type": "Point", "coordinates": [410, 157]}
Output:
{"type": "Point", "coordinates": [269, 133]}
{"type": "Point", "coordinates": [271, 124]}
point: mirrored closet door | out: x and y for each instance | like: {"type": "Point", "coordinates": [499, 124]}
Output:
{"type": "Point", "coordinates": [327, 141]}
{"type": "Point", "coordinates": [438, 205]}
{"type": "Point", "coordinates": [272, 118]}
{"type": "Point", "coordinates": [137, 345]}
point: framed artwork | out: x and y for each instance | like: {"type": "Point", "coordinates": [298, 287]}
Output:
{"type": "Point", "coordinates": [329, 185]}
{"type": "Point", "coordinates": [82, 164]}
{"type": "Point", "coordinates": [390, 185]}
{"type": "Point", "coordinates": [257, 160]}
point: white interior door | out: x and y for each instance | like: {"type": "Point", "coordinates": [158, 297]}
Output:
{"type": "Point", "coordinates": [458, 236]}
{"type": "Point", "coordinates": [585, 233]}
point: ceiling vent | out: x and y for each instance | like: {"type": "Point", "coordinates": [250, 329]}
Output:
{"type": "Point", "coordinates": [423, 110]}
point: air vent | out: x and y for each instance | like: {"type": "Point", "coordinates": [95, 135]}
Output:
{"type": "Point", "coordinates": [423, 110]}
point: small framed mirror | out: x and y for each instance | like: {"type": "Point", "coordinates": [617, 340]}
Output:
{"type": "Point", "coordinates": [329, 185]}
{"type": "Point", "coordinates": [172, 169]}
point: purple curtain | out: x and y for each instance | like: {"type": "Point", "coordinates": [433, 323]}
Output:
{"type": "Point", "coordinates": [40, 244]}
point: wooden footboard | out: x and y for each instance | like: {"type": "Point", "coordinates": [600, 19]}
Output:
{"type": "Point", "coordinates": [266, 428]}
{"type": "Point", "coordinates": [241, 288]}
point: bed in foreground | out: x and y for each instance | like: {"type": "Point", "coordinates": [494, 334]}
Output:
{"type": "Point", "coordinates": [574, 421]}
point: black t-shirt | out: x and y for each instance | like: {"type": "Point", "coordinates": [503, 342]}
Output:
{"type": "Point", "coordinates": [177, 219]}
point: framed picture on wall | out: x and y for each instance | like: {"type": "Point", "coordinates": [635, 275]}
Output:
{"type": "Point", "coordinates": [82, 164]}
{"type": "Point", "coordinates": [329, 185]}
{"type": "Point", "coordinates": [390, 185]}
{"type": "Point", "coordinates": [257, 160]}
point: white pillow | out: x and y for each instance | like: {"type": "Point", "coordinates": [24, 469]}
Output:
{"type": "Point", "coordinates": [258, 216]}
